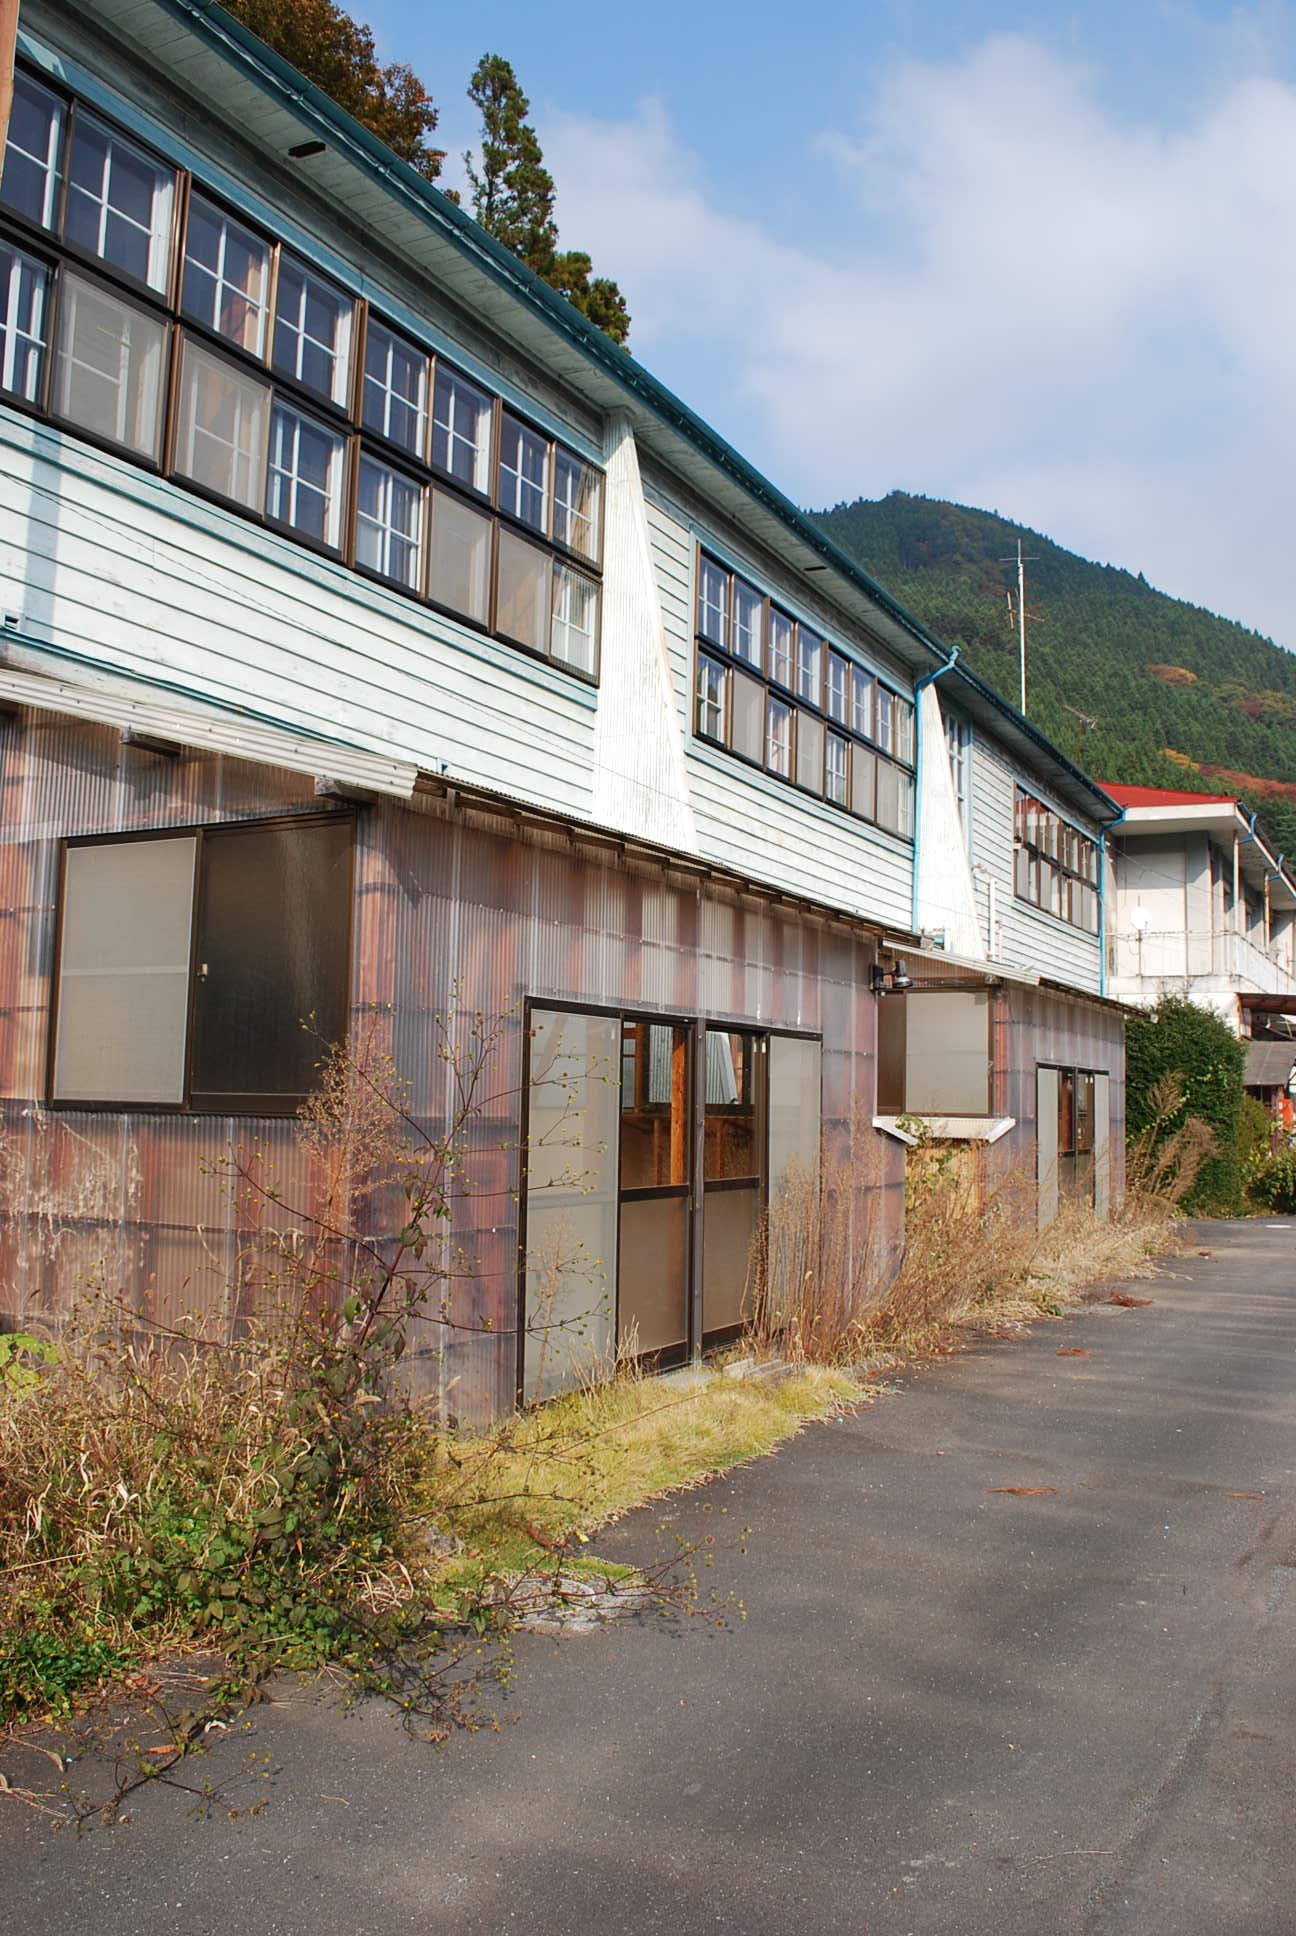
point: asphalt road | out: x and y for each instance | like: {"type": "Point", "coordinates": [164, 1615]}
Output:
{"type": "Point", "coordinates": [951, 1707]}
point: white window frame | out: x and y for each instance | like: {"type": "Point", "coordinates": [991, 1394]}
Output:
{"type": "Point", "coordinates": [519, 492]}
{"type": "Point", "coordinates": [159, 229]}
{"type": "Point", "coordinates": [219, 282]}
{"type": "Point", "coordinates": [382, 388]}
{"type": "Point", "coordinates": [462, 397]}
{"type": "Point", "coordinates": [571, 642]}
{"type": "Point", "coordinates": [298, 337]}
{"type": "Point", "coordinates": [392, 537]}
{"type": "Point", "coordinates": [49, 162]}
{"type": "Point", "coordinates": [17, 344]}
{"type": "Point", "coordinates": [288, 415]}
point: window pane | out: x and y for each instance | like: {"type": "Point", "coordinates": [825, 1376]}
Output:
{"type": "Point", "coordinates": [523, 473]}
{"type": "Point", "coordinates": [306, 463]}
{"type": "Point", "coordinates": [837, 688]}
{"type": "Point", "coordinates": [654, 1105]}
{"type": "Point", "coordinates": [861, 702]}
{"type": "Point", "coordinates": [780, 655]}
{"type": "Point", "coordinates": [575, 618]}
{"type": "Point", "coordinates": [809, 665]}
{"type": "Point", "coordinates": [863, 798]}
{"type": "Point", "coordinates": [226, 276]}
{"type": "Point", "coordinates": [395, 389]}
{"type": "Point", "coordinates": [885, 713]}
{"type": "Point", "coordinates": [273, 952]}
{"type": "Point", "coordinates": [795, 1086]}
{"type": "Point", "coordinates": [124, 971]}
{"type": "Point", "coordinates": [108, 377]}
{"type": "Point", "coordinates": [24, 285]}
{"type": "Point", "coordinates": [710, 699]}
{"type": "Point", "coordinates": [836, 769]}
{"type": "Point", "coordinates": [888, 796]}
{"type": "Point", "coordinates": [389, 523]}
{"type": "Point", "coordinates": [748, 717]}
{"type": "Point", "coordinates": [522, 607]}
{"type": "Point", "coordinates": [222, 428]}
{"type": "Point", "coordinates": [29, 181]}
{"type": "Point", "coordinates": [778, 738]}
{"type": "Point", "coordinates": [947, 1053]}
{"type": "Point", "coordinates": [810, 753]}
{"type": "Point", "coordinates": [576, 504]}
{"type": "Point", "coordinates": [459, 575]}
{"type": "Point", "coordinates": [730, 1146]}
{"type": "Point", "coordinates": [312, 338]}
{"type": "Point", "coordinates": [749, 624]}
{"type": "Point", "coordinates": [461, 430]}
{"type": "Point", "coordinates": [119, 202]}
{"type": "Point", "coordinates": [713, 603]}
{"type": "Point", "coordinates": [904, 731]}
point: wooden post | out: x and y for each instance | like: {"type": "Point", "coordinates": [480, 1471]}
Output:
{"type": "Point", "coordinates": [8, 42]}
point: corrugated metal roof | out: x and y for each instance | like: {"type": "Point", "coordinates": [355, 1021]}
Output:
{"type": "Point", "coordinates": [1269, 1065]}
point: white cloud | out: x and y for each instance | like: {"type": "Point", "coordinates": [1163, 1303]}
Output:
{"type": "Point", "coordinates": [1033, 305]}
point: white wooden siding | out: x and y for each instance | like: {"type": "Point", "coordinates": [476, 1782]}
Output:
{"type": "Point", "coordinates": [109, 565]}
{"type": "Point", "coordinates": [1029, 938]}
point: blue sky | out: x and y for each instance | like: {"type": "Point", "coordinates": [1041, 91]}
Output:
{"type": "Point", "coordinates": [1034, 258]}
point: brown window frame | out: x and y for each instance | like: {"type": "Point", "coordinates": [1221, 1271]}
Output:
{"type": "Point", "coordinates": [344, 418]}
{"type": "Point", "coordinates": [199, 1102]}
{"type": "Point", "coordinates": [1073, 857]}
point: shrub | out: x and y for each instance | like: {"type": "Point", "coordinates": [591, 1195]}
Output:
{"type": "Point", "coordinates": [1274, 1183]}
{"type": "Point", "coordinates": [1177, 1038]}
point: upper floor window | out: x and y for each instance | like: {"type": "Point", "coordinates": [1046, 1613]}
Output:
{"type": "Point", "coordinates": [120, 202]}
{"type": "Point", "coordinates": [312, 339]}
{"type": "Point", "coordinates": [958, 746]}
{"type": "Point", "coordinates": [1056, 866]}
{"type": "Point", "coordinates": [395, 389]}
{"type": "Point", "coordinates": [748, 624]}
{"type": "Point", "coordinates": [29, 181]}
{"type": "Point", "coordinates": [198, 343]}
{"type": "Point", "coordinates": [226, 282]}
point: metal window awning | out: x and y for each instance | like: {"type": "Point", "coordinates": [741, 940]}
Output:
{"type": "Point", "coordinates": [239, 736]}
{"type": "Point", "coordinates": [911, 1129]}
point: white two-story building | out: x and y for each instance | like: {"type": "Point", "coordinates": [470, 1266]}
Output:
{"type": "Point", "coordinates": [379, 640]}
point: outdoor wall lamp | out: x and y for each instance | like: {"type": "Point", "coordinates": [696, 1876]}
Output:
{"type": "Point", "coordinates": [889, 981]}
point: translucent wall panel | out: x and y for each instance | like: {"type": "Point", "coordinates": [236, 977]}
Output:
{"type": "Point", "coordinates": [947, 1054]}
{"type": "Point", "coordinates": [654, 1249]}
{"type": "Point", "coordinates": [1102, 1145]}
{"type": "Point", "coordinates": [729, 1225]}
{"type": "Point", "coordinates": [1046, 1134]}
{"type": "Point", "coordinates": [124, 972]}
{"type": "Point", "coordinates": [794, 1091]}
{"type": "Point", "coordinates": [573, 1103]}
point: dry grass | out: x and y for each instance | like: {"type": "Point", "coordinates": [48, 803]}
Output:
{"type": "Point", "coordinates": [973, 1260]}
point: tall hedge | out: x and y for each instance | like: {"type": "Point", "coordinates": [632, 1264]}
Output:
{"type": "Point", "coordinates": [1177, 1037]}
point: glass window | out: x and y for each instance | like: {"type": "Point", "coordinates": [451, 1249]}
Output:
{"type": "Point", "coordinates": [523, 473]}
{"type": "Point", "coordinates": [524, 592]}
{"type": "Point", "coordinates": [730, 1142]}
{"type": "Point", "coordinates": [109, 367]}
{"type": "Point", "coordinates": [780, 654]}
{"type": "Point", "coordinates": [957, 737]}
{"type": "Point", "coordinates": [837, 688]}
{"type": "Point", "coordinates": [906, 826]}
{"type": "Point", "coordinates": [226, 283]}
{"type": "Point", "coordinates": [809, 665]}
{"type": "Point", "coordinates": [863, 795]}
{"type": "Point", "coordinates": [778, 738]}
{"type": "Point", "coordinates": [312, 337]}
{"type": "Point", "coordinates": [888, 796]}
{"type": "Point", "coordinates": [306, 467]}
{"type": "Point", "coordinates": [862, 686]}
{"type": "Point", "coordinates": [389, 523]}
{"type": "Point", "coordinates": [748, 702]}
{"type": "Point", "coordinates": [713, 603]}
{"type": "Point", "coordinates": [459, 572]}
{"type": "Point", "coordinates": [24, 285]}
{"type": "Point", "coordinates": [904, 731]}
{"type": "Point", "coordinates": [574, 633]}
{"type": "Point", "coordinates": [884, 708]}
{"type": "Point", "coordinates": [273, 939]}
{"type": "Point", "coordinates": [123, 981]}
{"type": "Point", "coordinates": [29, 181]}
{"type": "Point", "coordinates": [576, 504]}
{"type": "Point", "coordinates": [461, 429]}
{"type": "Point", "coordinates": [810, 753]}
{"type": "Point", "coordinates": [654, 1106]}
{"type": "Point", "coordinates": [710, 698]}
{"type": "Point", "coordinates": [395, 389]}
{"type": "Point", "coordinates": [222, 428]}
{"type": "Point", "coordinates": [119, 202]}
{"type": "Point", "coordinates": [836, 769]}
{"type": "Point", "coordinates": [748, 624]}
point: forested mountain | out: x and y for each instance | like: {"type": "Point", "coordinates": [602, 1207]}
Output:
{"type": "Point", "coordinates": [1179, 697]}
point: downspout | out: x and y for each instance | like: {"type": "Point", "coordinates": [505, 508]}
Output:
{"type": "Point", "coordinates": [1102, 900]}
{"type": "Point", "coordinates": [928, 679]}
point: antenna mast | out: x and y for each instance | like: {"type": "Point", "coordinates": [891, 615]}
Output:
{"type": "Point", "coordinates": [1021, 616]}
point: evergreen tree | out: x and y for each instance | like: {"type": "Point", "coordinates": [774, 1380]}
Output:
{"type": "Point", "coordinates": [513, 199]}
{"type": "Point", "coordinates": [337, 53]}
